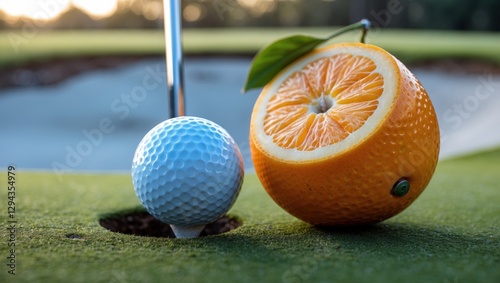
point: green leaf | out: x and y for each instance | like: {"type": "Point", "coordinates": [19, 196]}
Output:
{"type": "Point", "coordinates": [274, 58]}
{"type": "Point", "coordinates": [270, 60]}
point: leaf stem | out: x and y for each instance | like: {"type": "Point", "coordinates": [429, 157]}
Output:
{"type": "Point", "coordinates": [364, 24]}
{"type": "Point", "coordinates": [270, 60]}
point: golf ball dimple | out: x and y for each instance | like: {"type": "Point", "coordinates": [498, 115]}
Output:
{"type": "Point", "coordinates": [187, 171]}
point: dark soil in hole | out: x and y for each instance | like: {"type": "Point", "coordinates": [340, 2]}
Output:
{"type": "Point", "coordinates": [141, 223]}
{"type": "Point", "coordinates": [74, 236]}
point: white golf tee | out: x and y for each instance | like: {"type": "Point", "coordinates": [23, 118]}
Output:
{"type": "Point", "coordinates": [187, 231]}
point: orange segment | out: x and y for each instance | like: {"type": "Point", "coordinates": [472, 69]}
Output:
{"type": "Point", "coordinates": [353, 115]}
{"type": "Point", "coordinates": [334, 131]}
{"type": "Point", "coordinates": [353, 70]}
{"type": "Point", "coordinates": [321, 132]}
{"type": "Point", "coordinates": [324, 102]}
{"type": "Point", "coordinates": [367, 88]}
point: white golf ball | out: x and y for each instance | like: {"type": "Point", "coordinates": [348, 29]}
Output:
{"type": "Point", "coordinates": [187, 171]}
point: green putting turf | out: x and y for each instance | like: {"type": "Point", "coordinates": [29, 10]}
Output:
{"type": "Point", "coordinates": [450, 234]}
{"type": "Point", "coordinates": [408, 45]}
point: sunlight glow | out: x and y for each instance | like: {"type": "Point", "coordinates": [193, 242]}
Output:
{"type": "Point", "coordinates": [259, 7]}
{"type": "Point", "coordinates": [97, 8]}
{"type": "Point", "coordinates": [192, 12]}
{"type": "Point", "coordinates": [50, 9]}
{"type": "Point", "coordinates": [35, 9]}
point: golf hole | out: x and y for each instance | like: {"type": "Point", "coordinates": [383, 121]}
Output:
{"type": "Point", "coordinates": [141, 223]}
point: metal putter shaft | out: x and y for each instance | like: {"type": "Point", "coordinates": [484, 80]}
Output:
{"type": "Point", "coordinates": [175, 81]}
{"type": "Point", "coordinates": [173, 46]}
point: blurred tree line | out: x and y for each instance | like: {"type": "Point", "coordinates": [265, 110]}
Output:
{"type": "Point", "coordinates": [417, 14]}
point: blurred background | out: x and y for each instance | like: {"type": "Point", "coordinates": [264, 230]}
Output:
{"type": "Point", "coordinates": [119, 14]}
{"type": "Point", "coordinates": [81, 82]}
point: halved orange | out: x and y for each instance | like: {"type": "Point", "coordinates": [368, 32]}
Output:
{"type": "Point", "coordinates": [334, 133]}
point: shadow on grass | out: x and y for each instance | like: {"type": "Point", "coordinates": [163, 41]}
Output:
{"type": "Point", "coordinates": [383, 239]}
{"type": "Point", "coordinates": [410, 238]}
{"type": "Point", "coordinates": [278, 241]}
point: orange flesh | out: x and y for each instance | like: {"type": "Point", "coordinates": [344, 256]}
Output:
{"type": "Point", "coordinates": [324, 102]}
